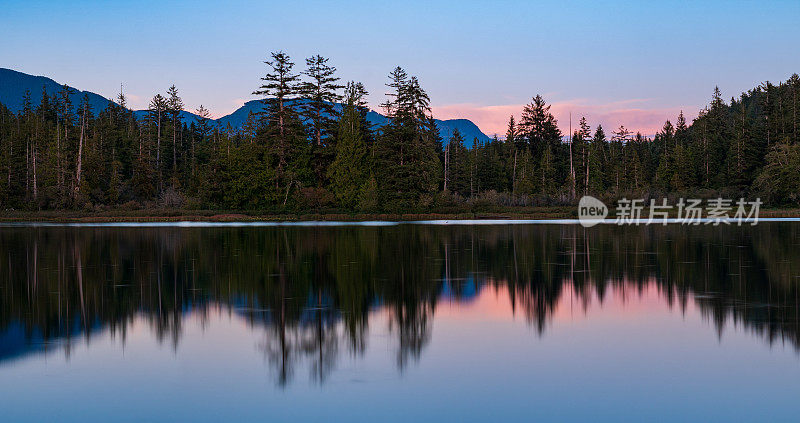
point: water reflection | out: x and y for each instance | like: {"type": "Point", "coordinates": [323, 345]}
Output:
{"type": "Point", "coordinates": [313, 291]}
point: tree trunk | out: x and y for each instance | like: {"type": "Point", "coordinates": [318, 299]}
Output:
{"type": "Point", "coordinates": [158, 151]}
{"type": "Point", "coordinates": [446, 163]}
{"type": "Point", "coordinates": [58, 156]}
{"type": "Point", "coordinates": [35, 188]}
{"type": "Point", "coordinates": [586, 154]}
{"type": "Point", "coordinates": [514, 175]}
{"type": "Point", "coordinates": [571, 165]}
{"type": "Point", "coordinates": [80, 153]}
{"type": "Point", "coordinates": [174, 140]}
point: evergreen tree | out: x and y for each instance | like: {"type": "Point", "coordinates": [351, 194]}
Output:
{"type": "Point", "coordinates": [598, 151]}
{"type": "Point", "coordinates": [741, 154]}
{"type": "Point", "coordinates": [407, 163]}
{"type": "Point", "coordinates": [350, 170]}
{"type": "Point", "coordinates": [284, 134]}
{"type": "Point", "coordinates": [156, 114]}
{"type": "Point", "coordinates": [85, 117]}
{"type": "Point", "coordinates": [581, 140]}
{"type": "Point", "coordinates": [318, 108]}
{"type": "Point", "coordinates": [717, 141]}
{"type": "Point", "coordinates": [175, 108]}
{"type": "Point", "coordinates": [615, 172]}
{"type": "Point", "coordinates": [665, 149]}
{"type": "Point", "coordinates": [460, 165]}
{"type": "Point", "coordinates": [514, 145]}
{"type": "Point", "coordinates": [64, 125]}
{"type": "Point", "coordinates": [538, 126]}
{"type": "Point", "coordinates": [540, 130]}
{"type": "Point", "coordinates": [491, 167]}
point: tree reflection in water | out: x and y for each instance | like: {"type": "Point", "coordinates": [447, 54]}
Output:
{"type": "Point", "coordinates": [313, 290]}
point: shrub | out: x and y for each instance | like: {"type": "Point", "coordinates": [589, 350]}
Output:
{"type": "Point", "coordinates": [314, 198]}
{"type": "Point", "coordinates": [171, 198]}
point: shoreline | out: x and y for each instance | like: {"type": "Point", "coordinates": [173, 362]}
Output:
{"type": "Point", "coordinates": [146, 216]}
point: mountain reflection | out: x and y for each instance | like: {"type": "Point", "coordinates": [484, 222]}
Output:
{"type": "Point", "coordinates": [312, 291]}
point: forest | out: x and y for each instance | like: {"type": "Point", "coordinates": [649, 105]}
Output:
{"type": "Point", "coordinates": [311, 148]}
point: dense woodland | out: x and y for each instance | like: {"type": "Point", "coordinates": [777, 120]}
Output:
{"type": "Point", "coordinates": [312, 148]}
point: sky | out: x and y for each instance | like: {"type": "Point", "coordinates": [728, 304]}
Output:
{"type": "Point", "coordinates": [615, 62]}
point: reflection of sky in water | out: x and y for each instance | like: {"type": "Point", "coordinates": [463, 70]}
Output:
{"type": "Point", "coordinates": [405, 322]}
{"type": "Point", "coordinates": [632, 357]}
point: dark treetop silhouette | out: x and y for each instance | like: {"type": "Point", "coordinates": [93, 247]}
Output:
{"type": "Point", "coordinates": [309, 145]}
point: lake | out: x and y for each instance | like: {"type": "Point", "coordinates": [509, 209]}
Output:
{"type": "Point", "coordinates": [399, 322]}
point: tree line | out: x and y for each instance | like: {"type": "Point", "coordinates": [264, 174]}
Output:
{"type": "Point", "coordinates": [312, 147]}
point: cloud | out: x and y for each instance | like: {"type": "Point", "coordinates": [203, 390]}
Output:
{"type": "Point", "coordinates": [634, 114]}
{"type": "Point", "coordinates": [216, 113]}
{"type": "Point", "coordinates": [135, 102]}
{"type": "Point", "coordinates": [235, 104]}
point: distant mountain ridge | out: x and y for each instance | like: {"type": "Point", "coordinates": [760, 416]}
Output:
{"type": "Point", "coordinates": [13, 85]}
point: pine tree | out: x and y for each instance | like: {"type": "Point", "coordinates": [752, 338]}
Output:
{"type": "Point", "coordinates": [460, 165]}
{"type": "Point", "coordinates": [538, 126]}
{"type": "Point", "coordinates": [350, 170]}
{"type": "Point", "coordinates": [175, 108]}
{"type": "Point", "coordinates": [406, 152]}
{"type": "Point", "coordinates": [28, 120]}
{"type": "Point", "coordinates": [490, 166]}
{"type": "Point", "coordinates": [665, 144]}
{"type": "Point", "coordinates": [156, 112]}
{"type": "Point", "coordinates": [540, 130]}
{"type": "Point", "coordinates": [284, 137]}
{"type": "Point", "coordinates": [85, 115]}
{"type": "Point", "coordinates": [581, 142]}
{"type": "Point", "coordinates": [616, 172]}
{"type": "Point", "coordinates": [794, 87]}
{"type": "Point", "coordinates": [398, 79]}
{"type": "Point", "coordinates": [597, 161]}
{"type": "Point", "coordinates": [320, 96]}
{"type": "Point", "coordinates": [204, 128]}
{"type": "Point", "coordinates": [717, 139]}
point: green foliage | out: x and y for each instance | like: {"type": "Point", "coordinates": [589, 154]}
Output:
{"type": "Point", "coordinates": [305, 151]}
{"type": "Point", "coordinates": [318, 96]}
{"type": "Point", "coordinates": [459, 166]}
{"type": "Point", "coordinates": [351, 167]}
{"type": "Point", "coordinates": [779, 179]}
{"type": "Point", "coordinates": [598, 161]}
{"type": "Point", "coordinates": [406, 161]}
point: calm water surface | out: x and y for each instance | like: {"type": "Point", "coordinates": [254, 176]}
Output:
{"type": "Point", "coordinates": [400, 323]}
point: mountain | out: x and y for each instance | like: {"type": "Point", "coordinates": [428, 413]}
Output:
{"type": "Point", "coordinates": [186, 117]}
{"type": "Point", "coordinates": [469, 131]}
{"type": "Point", "coordinates": [13, 85]}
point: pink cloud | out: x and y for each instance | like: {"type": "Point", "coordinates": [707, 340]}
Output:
{"type": "Point", "coordinates": [235, 104]}
{"type": "Point", "coordinates": [633, 113]}
{"type": "Point", "coordinates": [134, 101]}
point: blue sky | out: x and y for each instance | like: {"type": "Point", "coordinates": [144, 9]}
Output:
{"type": "Point", "coordinates": [617, 62]}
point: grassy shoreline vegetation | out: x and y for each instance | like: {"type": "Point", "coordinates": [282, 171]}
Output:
{"type": "Point", "coordinates": [177, 215]}
{"type": "Point", "coordinates": [311, 151]}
